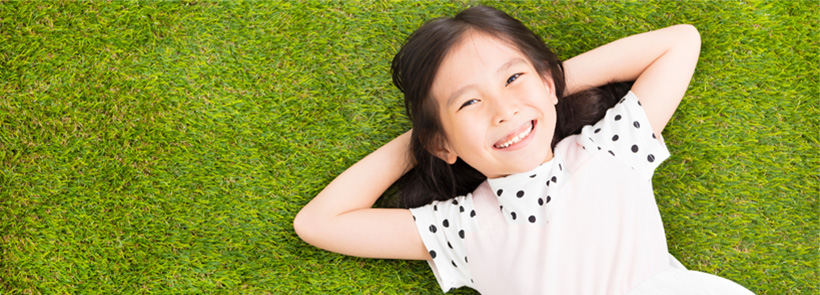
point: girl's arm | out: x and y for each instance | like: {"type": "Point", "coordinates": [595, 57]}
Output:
{"type": "Point", "coordinates": [661, 63]}
{"type": "Point", "coordinates": [341, 218]}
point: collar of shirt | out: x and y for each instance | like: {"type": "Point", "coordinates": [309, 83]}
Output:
{"type": "Point", "coordinates": [525, 197]}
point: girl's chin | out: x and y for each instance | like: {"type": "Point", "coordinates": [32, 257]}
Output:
{"type": "Point", "coordinates": [513, 169]}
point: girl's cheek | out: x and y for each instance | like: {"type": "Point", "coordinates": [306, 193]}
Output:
{"type": "Point", "coordinates": [468, 132]}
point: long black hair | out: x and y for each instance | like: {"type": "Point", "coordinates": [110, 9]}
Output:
{"type": "Point", "coordinates": [414, 68]}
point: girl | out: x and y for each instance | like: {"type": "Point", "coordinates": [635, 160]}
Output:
{"type": "Point", "coordinates": [523, 176]}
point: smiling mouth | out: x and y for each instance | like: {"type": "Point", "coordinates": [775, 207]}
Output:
{"type": "Point", "coordinates": [517, 137]}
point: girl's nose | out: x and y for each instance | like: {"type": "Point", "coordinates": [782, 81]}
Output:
{"type": "Point", "coordinates": [504, 110]}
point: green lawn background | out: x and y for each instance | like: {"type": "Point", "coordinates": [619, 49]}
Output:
{"type": "Point", "coordinates": [165, 147]}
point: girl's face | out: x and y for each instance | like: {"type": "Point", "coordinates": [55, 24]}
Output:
{"type": "Point", "coordinates": [497, 112]}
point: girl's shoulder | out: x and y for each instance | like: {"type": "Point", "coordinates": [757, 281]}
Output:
{"type": "Point", "coordinates": [459, 206]}
{"type": "Point", "coordinates": [443, 227]}
{"type": "Point", "coordinates": [625, 134]}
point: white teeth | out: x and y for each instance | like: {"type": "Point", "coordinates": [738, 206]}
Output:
{"type": "Point", "coordinates": [517, 138]}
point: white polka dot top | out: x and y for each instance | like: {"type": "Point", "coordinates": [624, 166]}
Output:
{"type": "Point", "coordinates": [585, 222]}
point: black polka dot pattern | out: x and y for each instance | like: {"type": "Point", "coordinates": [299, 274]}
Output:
{"type": "Point", "coordinates": [525, 196]}
{"type": "Point", "coordinates": [626, 137]}
{"type": "Point", "coordinates": [444, 227]}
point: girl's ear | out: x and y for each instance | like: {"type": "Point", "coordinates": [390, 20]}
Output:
{"type": "Point", "coordinates": [550, 85]}
{"type": "Point", "coordinates": [445, 152]}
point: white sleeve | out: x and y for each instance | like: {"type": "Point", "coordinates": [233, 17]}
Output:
{"type": "Point", "coordinates": [443, 226]}
{"type": "Point", "coordinates": [625, 133]}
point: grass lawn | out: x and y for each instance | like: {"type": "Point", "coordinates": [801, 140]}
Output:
{"type": "Point", "coordinates": [165, 147]}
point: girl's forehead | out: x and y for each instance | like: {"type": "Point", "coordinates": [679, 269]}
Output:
{"type": "Point", "coordinates": [479, 53]}
{"type": "Point", "coordinates": [480, 44]}
{"type": "Point", "coordinates": [475, 58]}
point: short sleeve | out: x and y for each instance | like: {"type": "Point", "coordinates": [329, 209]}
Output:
{"type": "Point", "coordinates": [625, 133]}
{"type": "Point", "coordinates": [443, 226]}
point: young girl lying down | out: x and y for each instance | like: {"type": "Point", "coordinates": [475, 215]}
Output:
{"type": "Point", "coordinates": [522, 173]}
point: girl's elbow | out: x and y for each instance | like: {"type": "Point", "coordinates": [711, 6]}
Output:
{"type": "Point", "coordinates": [689, 33]}
{"type": "Point", "coordinates": [685, 44]}
{"type": "Point", "coordinates": [304, 224]}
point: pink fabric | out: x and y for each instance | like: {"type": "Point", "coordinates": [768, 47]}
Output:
{"type": "Point", "coordinates": [600, 241]}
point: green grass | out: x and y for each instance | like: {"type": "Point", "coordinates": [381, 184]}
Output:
{"type": "Point", "coordinates": [165, 147]}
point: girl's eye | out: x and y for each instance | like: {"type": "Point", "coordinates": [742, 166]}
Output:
{"type": "Point", "coordinates": [512, 78]}
{"type": "Point", "coordinates": [469, 102]}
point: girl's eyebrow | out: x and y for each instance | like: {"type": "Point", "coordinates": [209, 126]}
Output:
{"type": "Point", "coordinates": [458, 93]}
{"type": "Point", "coordinates": [509, 64]}
{"type": "Point", "coordinates": [500, 70]}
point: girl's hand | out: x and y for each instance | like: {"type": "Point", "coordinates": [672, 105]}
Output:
{"type": "Point", "coordinates": [661, 63]}
{"type": "Point", "coordinates": [342, 218]}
